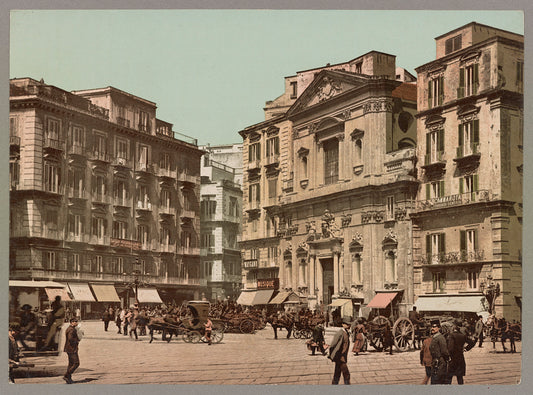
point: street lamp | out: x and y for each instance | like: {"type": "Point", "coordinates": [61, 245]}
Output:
{"type": "Point", "coordinates": [491, 291]}
{"type": "Point", "coordinates": [136, 272]}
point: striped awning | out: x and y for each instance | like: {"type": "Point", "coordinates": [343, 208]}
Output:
{"type": "Point", "coordinates": [149, 295]}
{"type": "Point", "coordinates": [81, 292]}
{"type": "Point", "coordinates": [262, 296]}
{"type": "Point", "coordinates": [340, 302]}
{"type": "Point", "coordinates": [105, 293]}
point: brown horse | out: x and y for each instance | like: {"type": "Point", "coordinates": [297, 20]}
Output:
{"type": "Point", "coordinates": [284, 321]}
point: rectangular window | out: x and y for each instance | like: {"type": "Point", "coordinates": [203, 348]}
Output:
{"type": "Point", "coordinates": [209, 207]}
{"type": "Point", "coordinates": [100, 143]}
{"type": "Point", "coordinates": [254, 152]}
{"type": "Point", "coordinates": [14, 173]}
{"type": "Point", "coordinates": [50, 260]}
{"type": "Point", "coordinates": [331, 161]}
{"type": "Point", "coordinates": [122, 149]}
{"type": "Point", "coordinates": [76, 265]}
{"type": "Point", "coordinates": [208, 240]}
{"type": "Point", "coordinates": [120, 230]}
{"type": "Point", "coordinates": [359, 68]}
{"type": "Point", "coordinates": [75, 224]}
{"type": "Point", "coordinates": [143, 121]}
{"type": "Point", "coordinates": [519, 71]}
{"type": "Point", "coordinates": [436, 91]}
{"type": "Point", "coordinates": [13, 126]}
{"type": "Point", "coordinates": [452, 44]}
{"type": "Point", "coordinates": [165, 236]}
{"type": "Point", "coordinates": [143, 157]}
{"type": "Point", "coordinates": [142, 236]}
{"type": "Point", "coordinates": [435, 248]}
{"type": "Point", "coordinates": [435, 190]}
{"type": "Point", "coordinates": [468, 81]}
{"type": "Point", "coordinates": [272, 188]}
{"type": "Point", "coordinates": [472, 278]}
{"type": "Point", "coordinates": [439, 282]}
{"type": "Point", "coordinates": [294, 90]}
{"type": "Point", "coordinates": [165, 199]}
{"type": "Point", "coordinates": [143, 200]}
{"type": "Point", "coordinates": [468, 138]}
{"type": "Point", "coordinates": [469, 185]}
{"type": "Point", "coordinates": [99, 227]}
{"type": "Point", "coordinates": [390, 207]}
{"type": "Point", "coordinates": [272, 148]}
{"type": "Point", "coordinates": [272, 252]}
{"type": "Point", "coordinates": [78, 137]}
{"type": "Point", "coordinates": [233, 207]}
{"type": "Point", "coordinates": [52, 177]}
{"type": "Point", "coordinates": [254, 193]}
{"type": "Point", "coordinates": [254, 253]}
{"type": "Point", "coordinates": [52, 131]}
{"type": "Point", "coordinates": [99, 186]}
{"type": "Point", "coordinates": [164, 163]}
{"type": "Point", "coordinates": [99, 264]}
{"type": "Point", "coordinates": [468, 245]}
{"type": "Point", "coordinates": [434, 147]}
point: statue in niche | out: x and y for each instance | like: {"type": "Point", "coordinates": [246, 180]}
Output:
{"type": "Point", "coordinates": [329, 229]}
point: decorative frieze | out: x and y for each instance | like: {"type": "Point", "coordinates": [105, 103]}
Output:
{"type": "Point", "coordinates": [382, 105]}
{"type": "Point", "coordinates": [346, 220]}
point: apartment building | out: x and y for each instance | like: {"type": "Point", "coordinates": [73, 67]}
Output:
{"type": "Point", "coordinates": [220, 222]}
{"type": "Point", "coordinates": [329, 180]}
{"type": "Point", "coordinates": [467, 226]}
{"type": "Point", "coordinates": [102, 193]}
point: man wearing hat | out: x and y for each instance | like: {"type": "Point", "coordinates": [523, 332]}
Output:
{"type": "Point", "coordinates": [318, 339]}
{"type": "Point", "coordinates": [338, 352]}
{"type": "Point", "coordinates": [457, 364]}
{"type": "Point", "coordinates": [439, 355]}
{"type": "Point", "coordinates": [71, 348]}
{"type": "Point", "coordinates": [28, 324]}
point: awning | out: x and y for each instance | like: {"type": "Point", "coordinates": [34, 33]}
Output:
{"type": "Point", "coordinates": [280, 298]}
{"type": "Point", "coordinates": [246, 298]}
{"type": "Point", "coordinates": [53, 292]}
{"type": "Point", "coordinates": [149, 295]}
{"type": "Point", "coordinates": [339, 302]}
{"type": "Point", "coordinates": [35, 284]}
{"type": "Point", "coordinates": [382, 300]}
{"type": "Point", "coordinates": [262, 296]}
{"type": "Point", "coordinates": [81, 292]}
{"type": "Point", "coordinates": [462, 303]}
{"type": "Point", "coordinates": [105, 293]}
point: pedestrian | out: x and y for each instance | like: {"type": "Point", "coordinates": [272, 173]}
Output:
{"type": "Point", "coordinates": [388, 340]}
{"type": "Point", "coordinates": [28, 325]}
{"type": "Point", "coordinates": [338, 353]}
{"type": "Point", "coordinates": [14, 353]}
{"type": "Point", "coordinates": [106, 319]}
{"type": "Point", "coordinates": [126, 321]}
{"type": "Point", "coordinates": [318, 339]}
{"type": "Point", "coordinates": [134, 320]}
{"type": "Point", "coordinates": [456, 343]}
{"type": "Point", "coordinates": [57, 318]}
{"type": "Point", "coordinates": [479, 330]}
{"type": "Point", "coordinates": [71, 348]}
{"type": "Point", "coordinates": [78, 313]}
{"type": "Point", "coordinates": [425, 358]}
{"type": "Point", "coordinates": [359, 336]}
{"type": "Point", "coordinates": [118, 320]}
{"type": "Point", "coordinates": [439, 355]}
{"type": "Point", "coordinates": [208, 328]}
{"type": "Point", "coordinates": [414, 317]}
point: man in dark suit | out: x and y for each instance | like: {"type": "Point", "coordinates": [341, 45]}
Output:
{"type": "Point", "coordinates": [71, 348]}
{"type": "Point", "coordinates": [456, 343]}
{"type": "Point", "coordinates": [338, 353]}
{"type": "Point", "coordinates": [439, 355]}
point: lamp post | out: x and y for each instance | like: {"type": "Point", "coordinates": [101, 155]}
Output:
{"type": "Point", "coordinates": [491, 291]}
{"type": "Point", "coordinates": [136, 273]}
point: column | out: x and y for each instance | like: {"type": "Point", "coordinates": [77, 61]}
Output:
{"type": "Point", "coordinates": [341, 273]}
{"type": "Point", "coordinates": [335, 274]}
{"type": "Point", "coordinates": [319, 281]}
{"type": "Point", "coordinates": [312, 271]}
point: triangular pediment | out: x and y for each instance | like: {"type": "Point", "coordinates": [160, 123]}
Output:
{"type": "Point", "coordinates": [327, 85]}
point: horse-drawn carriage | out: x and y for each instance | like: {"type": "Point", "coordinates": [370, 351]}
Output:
{"type": "Point", "coordinates": [190, 327]}
{"type": "Point", "coordinates": [241, 322]}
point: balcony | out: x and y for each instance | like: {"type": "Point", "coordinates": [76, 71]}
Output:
{"type": "Point", "coordinates": [51, 234]}
{"type": "Point", "coordinates": [13, 185]}
{"type": "Point", "coordinates": [207, 250]}
{"type": "Point", "coordinates": [454, 200]}
{"type": "Point", "coordinates": [54, 189]}
{"type": "Point", "coordinates": [254, 164]}
{"type": "Point", "coordinates": [76, 149]}
{"type": "Point", "coordinates": [170, 248]}
{"type": "Point", "coordinates": [144, 168]}
{"type": "Point", "coordinates": [125, 243]}
{"type": "Point", "coordinates": [188, 214]}
{"type": "Point", "coordinates": [77, 193]}
{"type": "Point", "coordinates": [254, 205]}
{"type": "Point", "coordinates": [288, 185]}
{"type": "Point", "coordinates": [188, 250]}
{"type": "Point", "coordinates": [164, 210]}
{"type": "Point", "coordinates": [434, 161]}
{"type": "Point", "coordinates": [100, 156]}
{"type": "Point", "coordinates": [100, 240]}
{"type": "Point", "coordinates": [54, 144]}
{"type": "Point", "coordinates": [272, 160]}
{"type": "Point", "coordinates": [143, 205]}
{"type": "Point", "coordinates": [123, 122]}
{"type": "Point", "coordinates": [185, 177]}
{"type": "Point", "coordinates": [250, 264]}
{"type": "Point", "coordinates": [14, 140]}
{"type": "Point", "coordinates": [122, 202]}
{"type": "Point", "coordinates": [122, 162]}
{"type": "Point", "coordinates": [467, 154]}
{"type": "Point", "coordinates": [82, 238]}
{"type": "Point", "coordinates": [100, 198]}
{"type": "Point", "coordinates": [453, 258]}
{"type": "Point", "coordinates": [167, 173]}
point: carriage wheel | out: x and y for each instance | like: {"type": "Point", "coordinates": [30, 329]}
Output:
{"type": "Point", "coordinates": [296, 333]}
{"type": "Point", "coordinates": [376, 341]}
{"type": "Point", "coordinates": [307, 334]}
{"type": "Point", "coordinates": [192, 337]}
{"type": "Point", "coordinates": [217, 335]}
{"type": "Point", "coordinates": [380, 320]}
{"type": "Point", "coordinates": [403, 333]}
{"type": "Point", "coordinates": [246, 326]}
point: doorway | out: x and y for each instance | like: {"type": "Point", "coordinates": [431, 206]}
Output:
{"type": "Point", "coordinates": [327, 279]}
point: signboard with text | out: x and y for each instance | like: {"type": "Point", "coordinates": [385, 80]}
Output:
{"type": "Point", "coordinates": [268, 283]}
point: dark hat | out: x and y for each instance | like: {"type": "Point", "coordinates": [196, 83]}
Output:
{"type": "Point", "coordinates": [26, 307]}
{"type": "Point", "coordinates": [435, 322]}
{"type": "Point", "coordinates": [74, 319]}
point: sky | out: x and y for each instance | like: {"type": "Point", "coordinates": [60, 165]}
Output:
{"type": "Point", "coordinates": [210, 72]}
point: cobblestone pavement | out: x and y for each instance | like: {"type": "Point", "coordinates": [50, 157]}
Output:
{"type": "Point", "coordinates": [110, 358]}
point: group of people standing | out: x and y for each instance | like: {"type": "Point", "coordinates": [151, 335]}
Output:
{"type": "Point", "coordinates": [127, 321]}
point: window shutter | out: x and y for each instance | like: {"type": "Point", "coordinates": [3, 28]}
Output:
{"type": "Point", "coordinates": [460, 185]}
{"type": "Point", "coordinates": [475, 178]}
{"type": "Point", "coordinates": [475, 240]}
{"type": "Point", "coordinates": [461, 134]}
{"type": "Point", "coordinates": [461, 89]}
{"type": "Point", "coordinates": [475, 136]}
{"type": "Point", "coordinates": [442, 243]}
{"type": "Point", "coordinates": [430, 93]}
{"type": "Point", "coordinates": [277, 146]}
{"type": "Point", "coordinates": [428, 143]}
{"type": "Point", "coordinates": [463, 241]}
{"type": "Point", "coordinates": [428, 191]}
{"type": "Point", "coordinates": [441, 89]}
{"type": "Point", "coordinates": [476, 79]}
{"type": "Point", "coordinates": [428, 245]}
{"type": "Point", "coordinates": [441, 188]}
{"type": "Point", "coordinates": [441, 140]}
{"type": "Point", "coordinates": [258, 153]}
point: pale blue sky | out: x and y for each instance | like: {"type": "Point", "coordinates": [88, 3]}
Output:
{"type": "Point", "coordinates": [211, 71]}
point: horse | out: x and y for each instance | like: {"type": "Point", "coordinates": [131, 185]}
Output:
{"type": "Point", "coordinates": [283, 321]}
{"type": "Point", "coordinates": [168, 325]}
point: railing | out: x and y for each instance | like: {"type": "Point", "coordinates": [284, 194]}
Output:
{"type": "Point", "coordinates": [51, 234]}
{"type": "Point", "coordinates": [288, 185]}
{"type": "Point", "coordinates": [144, 128]}
{"type": "Point", "coordinates": [83, 238]}
{"type": "Point", "coordinates": [54, 144]}
{"type": "Point", "coordinates": [188, 250]}
{"type": "Point", "coordinates": [250, 263]}
{"type": "Point", "coordinates": [14, 140]}
{"type": "Point", "coordinates": [184, 176]}
{"type": "Point", "coordinates": [254, 164]}
{"type": "Point", "coordinates": [100, 240]}
{"type": "Point", "coordinates": [99, 198]}
{"type": "Point", "coordinates": [52, 188]}
{"type": "Point", "coordinates": [454, 200]}
{"type": "Point", "coordinates": [101, 156]}
{"type": "Point", "coordinates": [161, 172]}
{"type": "Point", "coordinates": [120, 161]}
{"type": "Point", "coordinates": [167, 210]}
{"type": "Point", "coordinates": [254, 205]}
{"type": "Point", "coordinates": [144, 205]}
{"type": "Point", "coordinates": [185, 138]}
{"type": "Point", "coordinates": [76, 193]}
{"type": "Point", "coordinates": [122, 201]}
{"type": "Point", "coordinates": [145, 167]}
{"type": "Point", "coordinates": [436, 157]}
{"type": "Point", "coordinates": [272, 159]}
{"type": "Point", "coordinates": [218, 165]}
{"type": "Point", "coordinates": [468, 150]}
{"type": "Point", "coordinates": [76, 149]}
{"type": "Point", "coordinates": [462, 256]}
{"type": "Point", "coordinates": [231, 184]}
{"type": "Point", "coordinates": [167, 248]}
{"type": "Point", "coordinates": [188, 214]}
{"type": "Point", "coordinates": [126, 243]}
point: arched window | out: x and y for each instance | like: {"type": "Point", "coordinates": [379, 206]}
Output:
{"type": "Point", "coordinates": [288, 274]}
{"type": "Point", "coordinates": [357, 275]}
{"type": "Point", "coordinates": [390, 267]}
